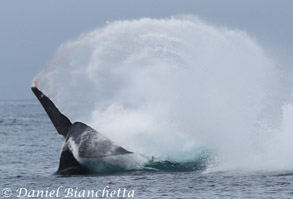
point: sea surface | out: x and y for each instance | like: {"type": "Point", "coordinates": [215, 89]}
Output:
{"type": "Point", "coordinates": [30, 149]}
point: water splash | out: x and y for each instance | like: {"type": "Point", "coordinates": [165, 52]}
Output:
{"type": "Point", "coordinates": [175, 88]}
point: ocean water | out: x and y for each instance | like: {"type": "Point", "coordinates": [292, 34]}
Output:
{"type": "Point", "coordinates": [30, 149]}
{"type": "Point", "coordinates": [178, 89]}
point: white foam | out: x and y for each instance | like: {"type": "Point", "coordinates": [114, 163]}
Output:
{"type": "Point", "coordinates": [173, 87]}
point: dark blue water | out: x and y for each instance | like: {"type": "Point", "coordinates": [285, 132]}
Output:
{"type": "Point", "coordinates": [30, 149]}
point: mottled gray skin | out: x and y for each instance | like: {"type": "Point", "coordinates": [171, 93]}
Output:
{"type": "Point", "coordinates": [81, 141]}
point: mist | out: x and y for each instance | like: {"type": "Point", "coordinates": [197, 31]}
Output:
{"type": "Point", "coordinates": [175, 88]}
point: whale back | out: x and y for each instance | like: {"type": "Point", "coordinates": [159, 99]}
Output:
{"type": "Point", "coordinates": [89, 143]}
{"type": "Point", "coordinates": [81, 141]}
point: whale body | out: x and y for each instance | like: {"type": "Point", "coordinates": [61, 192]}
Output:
{"type": "Point", "coordinates": [84, 148]}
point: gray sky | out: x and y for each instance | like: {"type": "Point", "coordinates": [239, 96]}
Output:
{"type": "Point", "coordinates": [32, 30]}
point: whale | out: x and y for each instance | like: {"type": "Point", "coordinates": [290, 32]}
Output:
{"type": "Point", "coordinates": [84, 148]}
